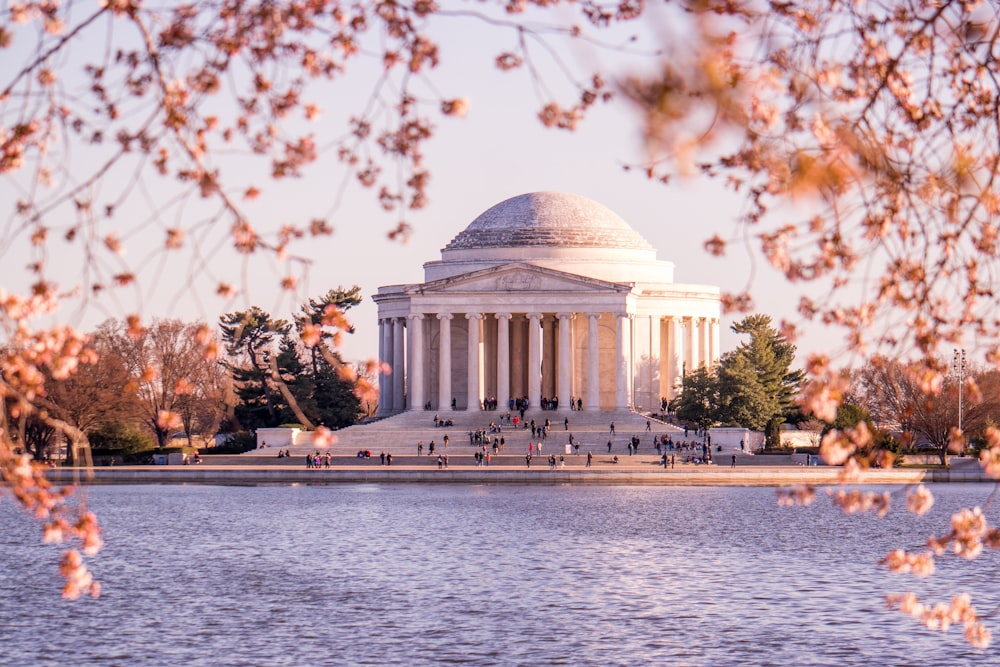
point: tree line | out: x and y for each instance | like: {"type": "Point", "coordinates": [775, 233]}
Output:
{"type": "Point", "coordinates": [902, 407]}
{"type": "Point", "coordinates": [141, 386]}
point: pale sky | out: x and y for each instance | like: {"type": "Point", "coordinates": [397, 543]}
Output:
{"type": "Point", "coordinates": [498, 151]}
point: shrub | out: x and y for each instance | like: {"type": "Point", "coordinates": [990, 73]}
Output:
{"type": "Point", "coordinates": [119, 439]}
{"type": "Point", "coordinates": [236, 443]}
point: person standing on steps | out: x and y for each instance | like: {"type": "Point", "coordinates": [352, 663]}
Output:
{"type": "Point", "coordinates": [612, 428]}
{"type": "Point", "coordinates": [590, 458]}
{"type": "Point", "coordinates": [734, 462]}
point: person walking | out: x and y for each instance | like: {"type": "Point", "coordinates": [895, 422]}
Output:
{"type": "Point", "coordinates": [590, 458]}
{"type": "Point", "coordinates": [566, 424]}
{"type": "Point", "coordinates": [527, 460]}
{"type": "Point", "coordinates": [609, 446]}
{"type": "Point", "coordinates": [612, 428]}
{"type": "Point", "coordinates": [420, 448]}
{"type": "Point", "coordinates": [733, 465]}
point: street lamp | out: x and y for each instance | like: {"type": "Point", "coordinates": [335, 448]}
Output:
{"type": "Point", "coordinates": [958, 366]}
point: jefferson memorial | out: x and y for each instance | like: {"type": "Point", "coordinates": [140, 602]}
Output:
{"type": "Point", "coordinates": [545, 297]}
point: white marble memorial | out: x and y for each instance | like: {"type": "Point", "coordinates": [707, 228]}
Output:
{"type": "Point", "coordinates": [544, 296]}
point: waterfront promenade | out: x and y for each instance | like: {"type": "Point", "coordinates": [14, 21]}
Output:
{"type": "Point", "coordinates": [638, 470]}
{"type": "Point", "coordinates": [399, 436]}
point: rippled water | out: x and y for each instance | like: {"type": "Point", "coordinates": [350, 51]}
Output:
{"type": "Point", "coordinates": [480, 575]}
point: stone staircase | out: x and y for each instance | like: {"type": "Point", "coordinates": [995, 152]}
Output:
{"type": "Point", "coordinates": [400, 434]}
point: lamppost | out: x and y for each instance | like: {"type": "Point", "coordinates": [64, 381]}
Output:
{"type": "Point", "coordinates": [958, 366]}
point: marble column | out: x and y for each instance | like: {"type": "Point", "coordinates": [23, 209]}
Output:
{"type": "Point", "coordinates": [534, 360]}
{"type": "Point", "coordinates": [593, 400]}
{"type": "Point", "coordinates": [705, 333]}
{"type": "Point", "coordinates": [475, 386]}
{"type": "Point", "coordinates": [623, 334]}
{"type": "Point", "coordinates": [415, 372]}
{"type": "Point", "coordinates": [444, 362]}
{"type": "Point", "coordinates": [716, 352]}
{"type": "Point", "coordinates": [503, 360]}
{"type": "Point", "coordinates": [690, 345]}
{"type": "Point", "coordinates": [675, 356]}
{"type": "Point", "coordinates": [565, 356]}
{"type": "Point", "coordinates": [548, 356]}
{"type": "Point", "coordinates": [518, 356]}
{"type": "Point", "coordinates": [398, 365]}
{"type": "Point", "coordinates": [488, 370]}
{"type": "Point", "coordinates": [654, 381]}
{"type": "Point", "coordinates": [384, 379]}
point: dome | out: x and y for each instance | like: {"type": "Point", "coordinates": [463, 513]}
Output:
{"type": "Point", "coordinates": [547, 220]}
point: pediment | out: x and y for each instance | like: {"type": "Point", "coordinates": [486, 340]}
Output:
{"type": "Point", "coordinates": [518, 278]}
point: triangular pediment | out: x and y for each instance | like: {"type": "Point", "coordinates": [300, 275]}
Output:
{"type": "Point", "coordinates": [518, 278]}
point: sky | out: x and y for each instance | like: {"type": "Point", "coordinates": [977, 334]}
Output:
{"type": "Point", "coordinates": [498, 150]}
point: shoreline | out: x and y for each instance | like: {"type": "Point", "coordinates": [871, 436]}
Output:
{"type": "Point", "coordinates": [460, 474]}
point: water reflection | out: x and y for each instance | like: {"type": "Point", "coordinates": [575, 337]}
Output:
{"type": "Point", "coordinates": [479, 575]}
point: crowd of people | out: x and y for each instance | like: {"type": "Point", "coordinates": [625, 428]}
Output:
{"type": "Point", "coordinates": [489, 442]}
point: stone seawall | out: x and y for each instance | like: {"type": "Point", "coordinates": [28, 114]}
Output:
{"type": "Point", "coordinates": [693, 476]}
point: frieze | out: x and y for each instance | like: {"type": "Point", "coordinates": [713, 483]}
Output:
{"type": "Point", "coordinates": [517, 282]}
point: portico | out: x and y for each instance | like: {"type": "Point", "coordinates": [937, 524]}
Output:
{"type": "Point", "coordinates": [548, 298]}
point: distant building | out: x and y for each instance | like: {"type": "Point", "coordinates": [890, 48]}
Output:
{"type": "Point", "coordinates": [545, 296]}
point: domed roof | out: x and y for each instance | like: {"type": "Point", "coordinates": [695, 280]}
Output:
{"type": "Point", "coordinates": [548, 219]}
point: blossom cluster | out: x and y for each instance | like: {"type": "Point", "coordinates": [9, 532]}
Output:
{"type": "Point", "coordinates": [941, 616]}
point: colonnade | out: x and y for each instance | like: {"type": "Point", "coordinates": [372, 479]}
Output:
{"type": "Point", "coordinates": [599, 360]}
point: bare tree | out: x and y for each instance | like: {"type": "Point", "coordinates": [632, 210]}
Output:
{"type": "Point", "coordinates": [895, 397]}
{"type": "Point", "coordinates": [164, 362]}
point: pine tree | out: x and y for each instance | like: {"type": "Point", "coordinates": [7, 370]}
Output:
{"type": "Point", "coordinates": [249, 336]}
{"type": "Point", "coordinates": [743, 400]}
{"type": "Point", "coordinates": [757, 383]}
{"type": "Point", "coordinates": [699, 400]}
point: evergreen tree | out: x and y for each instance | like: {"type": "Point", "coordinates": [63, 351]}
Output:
{"type": "Point", "coordinates": [743, 400]}
{"type": "Point", "coordinates": [249, 336]}
{"type": "Point", "coordinates": [757, 383]}
{"type": "Point", "coordinates": [699, 399]}
{"type": "Point", "coordinates": [295, 383]}
{"type": "Point", "coordinates": [335, 400]}
{"type": "Point", "coordinates": [326, 313]}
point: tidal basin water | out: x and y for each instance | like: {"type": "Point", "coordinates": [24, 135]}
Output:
{"type": "Point", "coordinates": [483, 575]}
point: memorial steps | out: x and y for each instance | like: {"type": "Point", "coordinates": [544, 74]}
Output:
{"type": "Point", "coordinates": [400, 434]}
